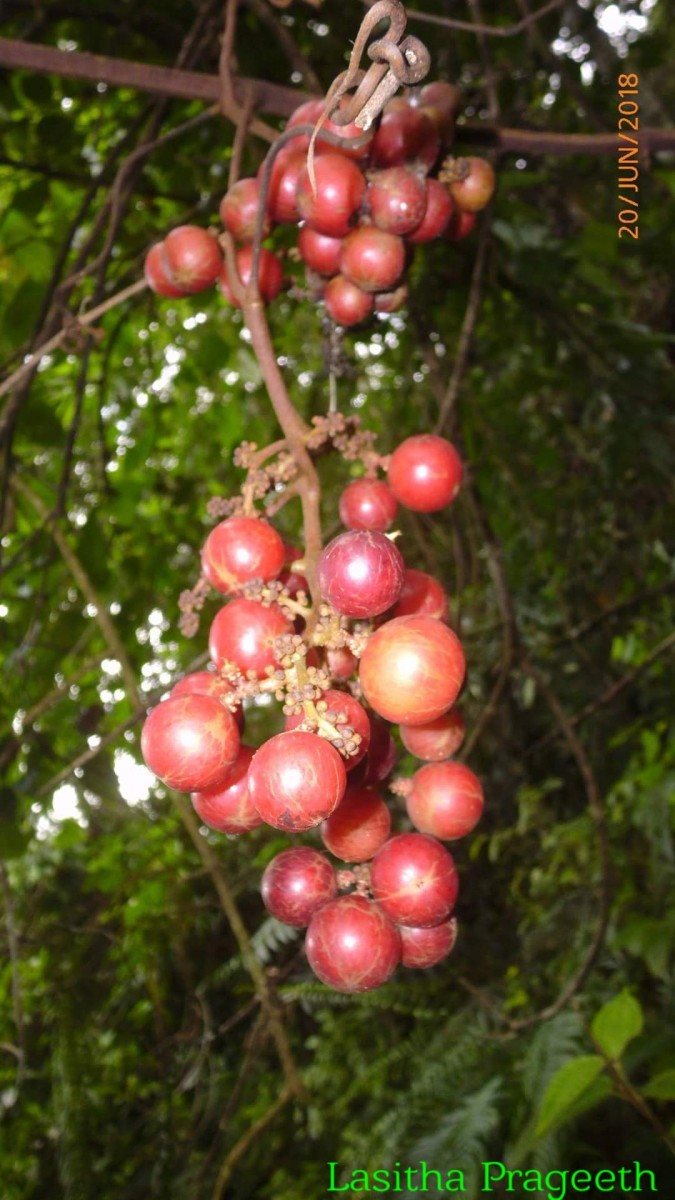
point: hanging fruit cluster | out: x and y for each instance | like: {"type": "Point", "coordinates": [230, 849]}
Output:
{"type": "Point", "coordinates": [371, 649]}
{"type": "Point", "coordinates": [363, 203]}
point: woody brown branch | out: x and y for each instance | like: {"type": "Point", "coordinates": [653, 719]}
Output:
{"type": "Point", "coordinates": [281, 101]}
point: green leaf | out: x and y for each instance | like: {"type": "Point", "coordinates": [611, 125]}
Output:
{"type": "Point", "coordinates": [566, 1087]}
{"type": "Point", "coordinates": [661, 1087]}
{"type": "Point", "coordinates": [617, 1023]}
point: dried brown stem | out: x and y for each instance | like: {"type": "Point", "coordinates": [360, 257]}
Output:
{"type": "Point", "coordinates": [14, 958]}
{"type": "Point", "coordinates": [273, 98]}
{"type": "Point", "coordinates": [295, 431]}
{"type": "Point", "coordinates": [446, 414]}
{"type": "Point", "coordinates": [83, 320]}
{"type": "Point", "coordinates": [613, 690]}
{"type": "Point", "coordinates": [102, 617]}
{"type": "Point", "coordinates": [261, 983]}
{"type": "Point", "coordinates": [481, 30]}
{"type": "Point", "coordinates": [247, 1139]}
{"type": "Point", "coordinates": [598, 816]}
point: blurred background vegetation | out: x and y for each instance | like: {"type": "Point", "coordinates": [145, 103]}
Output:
{"type": "Point", "coordinates": [145, 1050]}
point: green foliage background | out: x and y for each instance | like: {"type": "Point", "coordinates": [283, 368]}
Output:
{"type": "Point", "coordinates": [124, 1002]}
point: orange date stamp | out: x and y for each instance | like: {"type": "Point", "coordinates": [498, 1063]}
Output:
{"type": "Point", "coordinates": [628, 181]}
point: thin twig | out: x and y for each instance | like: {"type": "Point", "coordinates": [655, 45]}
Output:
{"type": "Point", "coordinates": [14, 958]}
{"type": "Point", "coordinates": [83, 320]}
{"type": "Point", "coordinates": [247, 1139]}
{"type": "Point", "coordinates": [503, 31]}
{"type": "Point", "coordinates": [598, 816]}
{"type": "Point", "coordinates": [447, 407]}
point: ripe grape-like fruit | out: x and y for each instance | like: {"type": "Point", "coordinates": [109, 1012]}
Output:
{"type": "Point", "coordinates": [283, 186]}
{"type": "Point", "coordinates": [193, 257]}
{"type": "Point", "coordinates": [436, 216]}
{"type": "Point", "coordinates": [352, 945]}
{"type": "Point", "coordinates": [397, 199]}
{"type": "Point", "coordinates": [343, 711]}
{"type": "Point", "coordinates": [239, 210]}
{"type": "Point", "coordinates": [309, 113]}
{"type": "Point", "coordinates": [157, 274]}
{"type": "Point", "coordinates": [414, 878]}
{"type": "Point", "coordinates": [190, 742]}
{"type": "Point", "coordinates": [426, 947]}
{"type": "Point", "coordinates": [425, 472]}
{"type": "Point", "coordinates": [270, 275]}
{"type": "Point", "coordinates": [460, 226]}
{"type": "Point", "coordinates": [372, 259]}
{"type": "Point", "coordinates": [368, 504]}
{"type": "Point", "coordinates": [346, 303]}
{"type": "Point", "coordinates": [421, 594]}
{"type": "Point", "coordinates": [296, 780]}
{"type": "Point", "coordinates": [296, 883]}
{"type": "Point", "coordinates": [361, 573]}
{"type": "Point", "coordinates": [207, 683]}
{"type": "Point", "coordinates": [240, 549]}
{"type": "Point", "coordinates": [340, 189]}
{"type": "Point", "coordinates": [475, 191]}
{"type": "Point", "coordinates": [404, 135]}
{"type": "Point", "coordinates": [388, 302]}
{"type": "Point", "coordinates": [412, 669]}
{"type": "Point", "coordinates": [319, 252]}
{"type": "Point", "coordinates": [243, 633]}
{"type": "Point", "coordinates": [360, 824]}
{"type": "Point", "coordinates": [445, 800]}
{"type": "Point", "coordinates": [441, 102]}
{"type": "Point", "coordinates": [382, 752]}
{"type": "Point", "coordinates": [341, 663]}
{"type": "Point", "coordinates": [440, 94]}
{"type": "Point", "coordinates": [228, 807]}
{"type": "Point", "coordinates": [435, 740]}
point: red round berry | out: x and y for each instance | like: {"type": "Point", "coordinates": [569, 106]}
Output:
{"type": "Point", "coordinates": [421, 595]}
{"type": "Point", "coordinates": [190, 742]}
{"type": "Point", "coordinates": [445, 800]}
{"type": "Point", "coordinates": [340, 189]}
{"type": "Point", "coordinates": [243, 633]}
{"type": "Point", "coordinates": [412, 669]}
{"type": "Point", "coordinates": [360, 824]}
{"type": "Point", "coordinates": [228, 807]}
{"type": "Point", "coordinates": [372, 259]}
{"type": "Point", "coordinates": [193, 257]}
{"type": "Point", "coordinates": [388, 302]}
{"type": "Point", "coordinates": [404, 135]}
{"type": "Point", "coordinates": [461, 225]}
{"type": "Point", "coordinates": [346, 303]}
{"type": "Point", "coordinates": [397, 199]}
{"type": "Point", "coordinates": [423, 948]}
{"type": "Point", "coordinates": [239, 210]}
{"type": "Point", "coordinates": [207, 683]}
{"type": "Point", "coordinates": [436, 215]}
{"type": "Point", "coordinates": [435, 740]}
{"type": "Point", "coordinates": [296, 780]}
{"type": "Point", "coordinates": [352, 945]}
{"type": "Point", "coordinates": [361, 573]}
{"type": "Point", "coordinates": [296, 883]}
{"type": "Point", "coordinates": [475, 190]}
{"type": "Point", "coordinates": [157, 274]}
{"type": "Point", "coordinates": [270, 275]}
{"type": "Point", "coordinates": [368, 504]}
{"type": "Point", "coordinates": [425, 472]}
{"type": "Point", "coordinates": [287, 168]}
{"type": "Point", "coordinates": [414, 878]}
{"type": "Point", "coordinates": [240, 549]}
{"type": "Point", "coordinates": [319, 252]}
{"type": "Point", "coordinates": [341, 663]}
